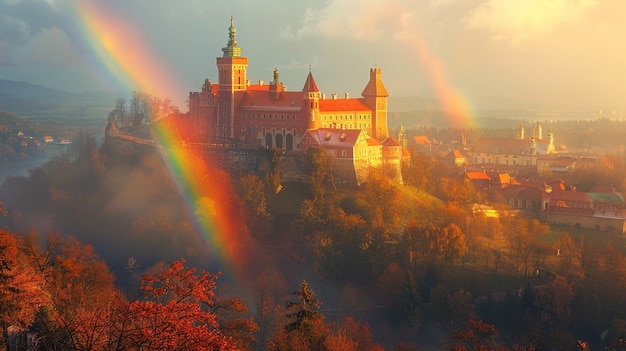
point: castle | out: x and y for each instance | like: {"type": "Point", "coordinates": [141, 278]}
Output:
{"type": "Point", "coordinates": [353, 131]}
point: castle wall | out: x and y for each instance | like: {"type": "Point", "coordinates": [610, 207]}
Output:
{"type": "Point", "coordinates": [586, 222]}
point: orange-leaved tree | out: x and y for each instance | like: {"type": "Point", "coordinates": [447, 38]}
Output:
{"type": "Point", "coordinates": [175, 313]}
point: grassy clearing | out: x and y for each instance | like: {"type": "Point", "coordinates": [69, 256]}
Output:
{"type": "Point", "coordinates": [596, 238]}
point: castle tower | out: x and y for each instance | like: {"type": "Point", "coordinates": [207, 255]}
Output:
{"type": "Point", "coordinates": [231, 71]}
{"type": "Point", "coordinates": [375, 95]}
{"type": "Point", "coordinates": [402, 137]}
{"type": "Point", "coordinates": [276, 87]}
{"type": "Point", "coordinates": [537, 133]}
{"type": "Point", "coordinates": [311, 101]}
{"type": "Point", "coordinates": [551, 148]}
{"type": "Point", "coordinates": [520, 131]}
{"type": "Point", "coordinates": [533, 146]}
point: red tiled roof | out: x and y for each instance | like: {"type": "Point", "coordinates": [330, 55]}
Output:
{"type": "Point", "coordinates": [389, 141]}
{"type": "Point", "coordinates": [264, 100]}
{"type": "Point", "coordinates": [375, 86]}
{"type": "Point", "coordinates": [568, 195]}
{"type": "Point", "coordinates": [332, 105]}
{"type": "Point", "coordinates": [421, 140]}
{"type": "Point", "coordinates": [459, 154]}
{"type": "Point", "coordinates": [508, 146]}
{"type": "Point", "coordinates": [476, 175]}
{"type": "Point", "coordinates": [335, 137]}
{"type": "Point", "coordinates": [310, 86]}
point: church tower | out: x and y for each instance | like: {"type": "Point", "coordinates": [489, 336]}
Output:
{"type": "Point", "coordinates": [537, 132]}
{"type": "Point", "coordinates": [375, 95]}
{"type": "Point", "coordinates": [311, 102]}
{"type": "Point", "coordinates": [232, 83]}
{"type": "Point", "coordinates": [520, 131]}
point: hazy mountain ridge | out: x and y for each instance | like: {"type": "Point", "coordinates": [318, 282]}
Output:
{"type": "Point", "coordinates": [35, 101]}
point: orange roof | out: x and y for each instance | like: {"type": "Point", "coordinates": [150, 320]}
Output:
{"type": "Point", "coordinates": [389, 141]}
{"type": "Point", "coordinates": [372, 141]}
{"type": "Point", "coordinates": [421, 140]}
{"type": "Point", "coordinates": [476, 175]}
{"type": "Point", "coordinates": [332, 105]}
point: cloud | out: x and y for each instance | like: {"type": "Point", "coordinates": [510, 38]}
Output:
{"type": "Point", "coordinates": [23, 21]}
{"type": "Point", "coordinates": [518, 20]}
{"type": "Point", "coordinates": [363, 20]}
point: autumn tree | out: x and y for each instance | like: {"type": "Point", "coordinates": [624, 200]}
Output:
{"type": "Point", "coordinates": [81, 290]}
{"type": "Point", "coordinates": [251, 191]}
{"type": "Point", "coordinates": [529, 252]}
{"type": "Point", "coordinates": [318, 167]}
{"type": "Point", "coordinates": [432, 245]}
{"type": "Point", "coordinates": [232, 317]}
{"type": "Point", "coordinates": [21, 289]}
{"type": "Point", "coordinates": [418, 170]}
{"type": "Point", "coordinates": [476, 336]}
{"type": "Point", "coordinates": [175, 313]}
{"type": "Point", "coordinates": [349, 334]}
{"type": "Point", "coordinates": [452, 308]}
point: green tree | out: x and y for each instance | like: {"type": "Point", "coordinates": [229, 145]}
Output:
{"type": "Point", "coordinates": [305, 328]}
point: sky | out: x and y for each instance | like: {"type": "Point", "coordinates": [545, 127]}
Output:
{"type": "Point", "coordinates": [546, 52]}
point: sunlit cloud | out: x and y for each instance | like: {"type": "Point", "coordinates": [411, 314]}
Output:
{"type": "Point", "coordinates": [363, 20]}
{"type": "Point", "coordinates": [518, 20]}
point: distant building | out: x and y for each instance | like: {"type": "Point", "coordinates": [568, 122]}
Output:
{"type": "Point", "coordinates": [520, 151]}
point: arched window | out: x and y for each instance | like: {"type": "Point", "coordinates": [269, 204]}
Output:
{"type": "Point", "coordinates": [268, 140]}
{"type": "Point", "coordinates": [279, 141]}
{"type": "Point", "coordinates": [289, 142]}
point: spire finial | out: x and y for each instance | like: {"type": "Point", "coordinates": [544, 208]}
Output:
{"type": "Point", "coordinates": [231, 49]}
{"type": "Point", "coordinates": [309, 68]}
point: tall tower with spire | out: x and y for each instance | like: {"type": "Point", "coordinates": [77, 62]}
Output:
{"type": "Point", "coordinates": [375, 95]}
{"type": "Point", "coordinates": [311, 99]}
{"type": "Point", "coordinates": [232, 82]}
{"type": "Point", "coordinates": [520, 131]}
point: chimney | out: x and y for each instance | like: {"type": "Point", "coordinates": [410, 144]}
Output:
{"type": "Point", "coordinates": [260, 82]}
{"type": "Point", "coordinates": [347, 96]}
{"type": "Point", "coordinates": [334, 96]}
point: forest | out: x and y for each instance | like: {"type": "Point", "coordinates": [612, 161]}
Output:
{"type": "Point", "coordinates": [101, 251]}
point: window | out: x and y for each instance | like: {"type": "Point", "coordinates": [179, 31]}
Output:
{"type": "Point", "coordinates": [224, 127]}
{"type": "Point", "coordinates": [343, 153]}
{"type": "Point", "coordinates": [243, 128]}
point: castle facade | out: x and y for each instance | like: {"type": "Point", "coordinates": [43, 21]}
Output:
{"type": "Point", "coordinates": [261, 115]}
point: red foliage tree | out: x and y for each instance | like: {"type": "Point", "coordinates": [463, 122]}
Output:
{"type": "Point", "coordinates": [175, 314]}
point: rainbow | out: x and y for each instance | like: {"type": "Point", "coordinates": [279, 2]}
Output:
{"type": "Point", "coordinates": [207, 192]}
{"type": "Point", "coordinates": [121, 50]}
{"type": "Point", "coordinates": [453, 104]}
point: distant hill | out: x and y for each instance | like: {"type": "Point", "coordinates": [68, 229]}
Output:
{"type": "Point", "coordinates": [9, 121]}
{"type": "Point", "coordinates": [35, 101]}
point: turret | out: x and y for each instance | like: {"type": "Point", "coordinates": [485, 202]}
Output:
{"type": "Point", "coordinates": [537, 133]}
{"type": "Point", "coordinates": [375, 95]}
{"type": "Point", "coordinates": [311, 99]}
{"type": "Point", "coordinates": [520, 131]}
